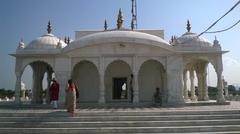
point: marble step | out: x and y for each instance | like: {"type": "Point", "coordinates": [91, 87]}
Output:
{"type": "Point", "coordinates": [118, 118]}
{"type": "Point", "coordinates": [146, 123]}
{"type": "Point", "coordinates": [108, 130]}
{"type": "Point", "coordinates": [15, 113]}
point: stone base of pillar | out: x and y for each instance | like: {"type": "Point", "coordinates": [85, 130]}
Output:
{"type": "Point", "coordinates": [221, 100]}
{"type": "Point", "coordinates": [101, 101]}
{"type": "Point", "coordinates": [186, 97]}
{"type": "Point", "coordinates": [206, 98]}
{"type": "Point", "coordinates": [135, 100]}
{"type": "Point", "coordinates": [194, 98]}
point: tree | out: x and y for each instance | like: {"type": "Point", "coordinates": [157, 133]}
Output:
{"type": "Point", "coordinates": [232, 89]}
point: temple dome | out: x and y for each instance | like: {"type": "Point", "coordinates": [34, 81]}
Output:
{"type": "Point", "coordinates": [47, 41]}
{"type": "Point", "coordinates": [190, 39]}
{"type": "Point", "coordinates": [118, 36]}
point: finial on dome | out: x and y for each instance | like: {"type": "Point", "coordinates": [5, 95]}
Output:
{"type": "Point", "coordinates": [68, 40]}
{"type": "Point", "coordinates": [49, 29]}
{"type": "Point", "coordinates": [21, 44]}
{"type": "Point", "coordinates": [105, 25]}
{"type": "Point", "coordinates": [65, 39]}
{"type": "Point", "coordinates": [120, 19]}
{"type": "Point", "coordinates": [188, 26]}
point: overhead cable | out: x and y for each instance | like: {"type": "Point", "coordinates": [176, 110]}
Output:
{"type": "Point", "coordinates": [220, 18]}
{"type": "Point", "coordinates": [224, 29]}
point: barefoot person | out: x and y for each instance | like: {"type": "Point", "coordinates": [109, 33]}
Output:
{"type": "Point", "coordinates": [71, 97]}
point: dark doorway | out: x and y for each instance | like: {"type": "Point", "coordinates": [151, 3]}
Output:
{"type": "Point", "coordinates": [119, 88]}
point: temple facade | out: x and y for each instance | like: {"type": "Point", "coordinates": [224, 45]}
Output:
{"type": "Point", "coordinates": [122, 65]}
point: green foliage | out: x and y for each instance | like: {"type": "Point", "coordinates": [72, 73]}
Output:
{"type": "Point", "coordinates": [6, 93]}
{"type": "Point", "coordinates": [212, 92]}
{"type": "Point", "coordinates": [232, 90]}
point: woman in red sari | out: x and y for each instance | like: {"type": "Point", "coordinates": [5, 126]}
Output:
{"type": "Point", "coordinates": [70, 101]}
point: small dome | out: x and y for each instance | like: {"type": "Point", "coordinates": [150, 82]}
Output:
{"type": "Point", "coordinates": [190, 39]}
{"type": "Point", "coordinates": [47, 41]}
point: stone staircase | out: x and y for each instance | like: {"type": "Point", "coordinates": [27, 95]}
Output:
{"type": "Point", "coordinates": [118, 120]}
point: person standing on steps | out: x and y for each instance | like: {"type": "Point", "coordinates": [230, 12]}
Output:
{"type": "Point", "coordinates": [54, 93]}
{"type": "Point", "coordinates": [70, 101]}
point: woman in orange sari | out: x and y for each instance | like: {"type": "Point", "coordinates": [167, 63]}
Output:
{"type": "Point", "coordinates": [70, 101]}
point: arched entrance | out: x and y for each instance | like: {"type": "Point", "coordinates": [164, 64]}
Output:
{"type": "Point", "coordinates": [42, 74]}
{"type": "Point", "coordinates": [151, 76]}
{"type": "Point", "coordinates": [197, 71]}
{"type": "Point", "coordinates": [86, 75]}
{"type": "Point", "coordinates": [117, 82]}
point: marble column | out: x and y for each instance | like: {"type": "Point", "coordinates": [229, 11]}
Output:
{"type": "Point", "coordinates": [135, 88]}
{"type": "Point", "coordinates": [200, 89]}
{"type": "Point", "coordinates": [101, 69]}
{"type": "Point", "coordinates": [220, 96]}
{"type": "Point", "coordinates": [185, 90]}
{"type": "Point", "coordinates": [193, 96]}
{"type": "Point", "coordinates": [17, 87]}
{"type": "Point", "coordinates": [101, 99]}
{"type": "Point", "coordinates": [135, 81]}
{"type": "Point", "coordinates": [62, 77]}
{"type": "Point", "coordinates": [49, 78]}
{"type": "Point", "coordinates": [38, 74]}
{"type": "Point", "coordinates": [205, 86]}
{"type": "Point", "coordinates": [174, 81]}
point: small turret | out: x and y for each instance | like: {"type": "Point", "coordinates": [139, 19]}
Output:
{"type": "Point", "coordinates": [21, 44]}
{"type": "Point", "coordinates": [216, 43]}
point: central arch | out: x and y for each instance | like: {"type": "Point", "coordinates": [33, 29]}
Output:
{"type": "Point", "coordinates": [86, 76]}
{"type": "Point", "coordinates": [151, 75]}
{"type": "Point", "coordinates": [117, 82]}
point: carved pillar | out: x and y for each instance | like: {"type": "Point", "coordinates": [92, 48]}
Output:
{"type": "Point", "coordinates": [17, 87]}
{"type": "Point", "coordinates": [62, 77]}
{"type": "Point", "coordinates": [101, 99]}
{"type": "Point", "coordinates": [38, 74]}
{"type": "Point", "coordinates": [49, 78]}
{"type": "Point", "coordinates": [193, 96]}
{"type": "Point", "coordinates": [135, 81]}
{"type": "Point", "coordinates": [205, 86]}
{"type": "Point", "coordinates": [174, 80]}
{"type": "Point", "coordinates": [220, 96]}
{"type": "Point", "coordinates": [200, 91]}
{"type": "Point", "coordinates": [185, 91]}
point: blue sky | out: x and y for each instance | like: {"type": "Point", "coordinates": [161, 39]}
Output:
{"type": "Point", "coordinates": [28, 19]}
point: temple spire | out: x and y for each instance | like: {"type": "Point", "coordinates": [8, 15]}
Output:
{"type": "Point", "coordinates": [120, 19]}
{"type": "Point", "coordinates": [65, 39]}
{"type": "Point", "coordinates": [188, 26]}
{"type": "Point", "coordinates": [105, 25]}
{"type": "Point", "coordinates": [49, 29]}
{"type": "Point", "coordinates": [68, 40]}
